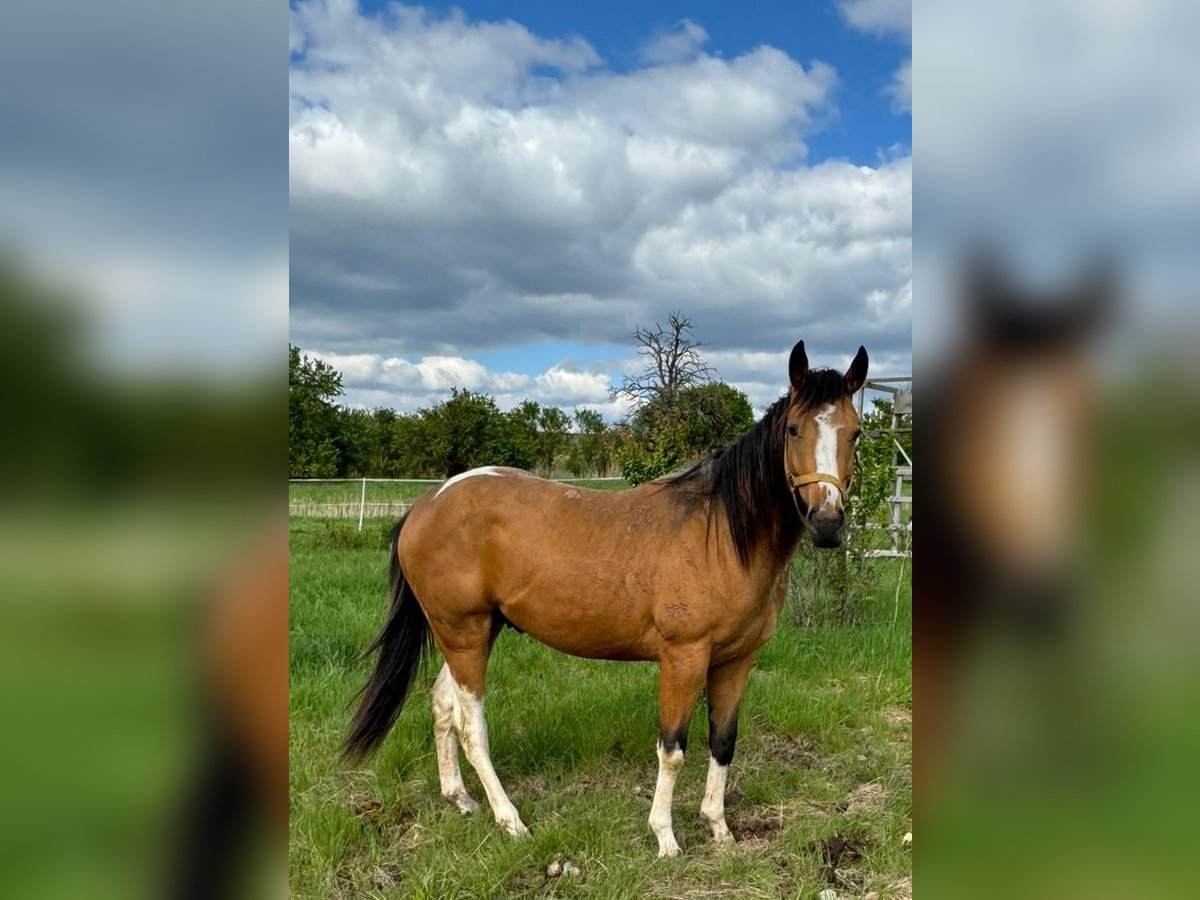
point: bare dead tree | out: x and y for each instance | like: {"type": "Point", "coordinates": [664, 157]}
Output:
{"type": "Point", "coordinates": [673, 362]}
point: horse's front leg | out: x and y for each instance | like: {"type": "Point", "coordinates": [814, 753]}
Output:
{"type": "Point", "coordinates": [680, 676]}
{"type": "Point", "coordinates": [726, 683]}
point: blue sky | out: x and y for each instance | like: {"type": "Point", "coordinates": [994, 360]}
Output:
{"type": "Point", "coordinates": [492, 195]}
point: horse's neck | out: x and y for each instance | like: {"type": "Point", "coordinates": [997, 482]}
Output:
{"type": "Point", "coordinates": [774, 555]}
{"type": "Point", "coordinates": [791, 544]}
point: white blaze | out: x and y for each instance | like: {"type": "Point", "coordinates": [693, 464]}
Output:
{"type": "Point", "coordinates": [483, 470]}
{"type": "Point", "coordinates": [826, 454]}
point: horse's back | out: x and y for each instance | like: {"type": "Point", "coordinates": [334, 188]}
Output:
{"type": "Point", "coordinates": [555, 559]}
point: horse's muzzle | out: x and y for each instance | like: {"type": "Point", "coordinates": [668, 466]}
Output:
{"type": "Point", "coordinates": [825, 528]}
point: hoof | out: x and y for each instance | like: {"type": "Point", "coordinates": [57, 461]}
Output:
{"type": "Point", "coordinates": [722, 836]}
{"type": "Point", "coordinates": [668, 849]}
{"type": "Point", "coordinates": [515, 829]}
{"type": "Point", "coordinates": [465, 802]}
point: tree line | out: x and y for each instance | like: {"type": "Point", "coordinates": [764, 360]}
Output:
{"type": "Point", "coordinates": [327, 440]}
{"type": "Point", "coordinates": [678, 411]}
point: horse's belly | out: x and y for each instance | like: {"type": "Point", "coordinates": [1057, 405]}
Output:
{"type": "Point", "coordinates": [584, 630]}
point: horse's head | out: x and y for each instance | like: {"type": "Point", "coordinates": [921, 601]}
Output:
{"type": "Point", "coordinates": [820, 429]}
{"type": "Point", "coordinates": [1014, 419]}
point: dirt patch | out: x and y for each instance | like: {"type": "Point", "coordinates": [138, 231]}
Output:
{"type": "Point", "coordinates": [755, 827]}
{"type": "Point", "coordinates": [366, 807]}
{"type": "Point", "coordinates": [396, 820]}
{"type": "Point", "coordinates": [838, 853]}
{"type": "Point", "coordinates": [898, 718]}
{"type": "Point", "coordinates": [866, 798]}
{"type": "Point", "coordinates": [799, 751]}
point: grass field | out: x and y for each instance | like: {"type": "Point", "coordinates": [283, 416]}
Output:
{"type": "Point", "coordinates": [819, 794]}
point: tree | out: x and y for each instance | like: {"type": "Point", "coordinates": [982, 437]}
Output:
{"type": "Point", "coordinates": [714, 414]}
{"type": "Point", "coordinates": [672, 363]}
{"type": "Point", "coordinates": [383, 450]}
{"type": "Point", "coordinates": [313, 385]}
{"type": "Point", "coordinates": [463, 432]}
{"type": "Point", "coordinates": [412, 448]}
{"type": "Point", "coordinates": [708, 416]}
{"type": "Point", "coordinates": [357, 440]}
{"type": "Point", "coordinates": [593, 448]}
{"type": "Point", "coordinates": [522, 435]}
{"type": "Point", "coordinates": [658, 442]}
{"type": "Point", "coordinates": [552, 436]}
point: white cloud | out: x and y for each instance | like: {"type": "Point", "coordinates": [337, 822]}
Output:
{"type": "Point", "coordinates": [457, 186]}
{"type": "Point", "coordinates": [900, 89]}
{"type": "Point", "coordinates": [679, 44]}
{"type": "Point", "coordinates": [371, 379]}
{"type": "Point", "coordinates": [880, 17]}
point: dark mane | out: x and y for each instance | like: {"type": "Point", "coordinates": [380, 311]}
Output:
{"type": "Point", "coordinates": [746, 478]}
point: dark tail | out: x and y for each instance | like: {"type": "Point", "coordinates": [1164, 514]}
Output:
{"type": "Point", "coordinates": [401, 643]}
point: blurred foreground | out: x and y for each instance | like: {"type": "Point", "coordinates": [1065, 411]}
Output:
{"type": "Point", "coordinates": [1056, 675]}
{"type": "Point", "coordinates": [143, 288]}
{"type": "Point", "coordinates": [143, 626]}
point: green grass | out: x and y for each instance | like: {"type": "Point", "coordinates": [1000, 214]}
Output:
{"type": "Point", "coordinates": [825, 750]}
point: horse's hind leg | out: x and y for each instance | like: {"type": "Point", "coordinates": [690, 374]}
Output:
{"type": "Point", "coordinates": [444, 703]}
{"type": "Point", "coordinates": [466, 649]}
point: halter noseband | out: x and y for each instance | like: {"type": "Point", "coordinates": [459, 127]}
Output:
{"type": "Point", "coordinates": [795, 482]}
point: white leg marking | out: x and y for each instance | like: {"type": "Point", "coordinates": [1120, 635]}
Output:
{"type": "Point", "coordinates": [471, 726]}
{"type": "Point", "coordinates": [483, 470]}
{"type": "Point", "coordinates": [669, 765]}
{"type": "Point", "coordinates": [447, 743]}
{"type": "Point", "coordinates": [826, 454]}
{"type": "Point", "coordinates": [713, 805]}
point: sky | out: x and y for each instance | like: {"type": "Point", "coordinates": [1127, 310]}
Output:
{"type": "Point", "coordinates": [494, 195]}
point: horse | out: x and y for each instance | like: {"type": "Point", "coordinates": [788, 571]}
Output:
{"type": "Point", "coordinates": [1014, 411]}
{"type": "Point", "coordinates": [689, 571]}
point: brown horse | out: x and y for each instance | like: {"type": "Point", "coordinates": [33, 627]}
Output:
{"type": "Point", "coordinates": [690, 571]}
{"type": "Point", "coordinates": [1014, 413]}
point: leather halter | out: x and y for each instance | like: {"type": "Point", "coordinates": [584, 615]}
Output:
{"type": "Point", "coordinates": [798, 481]}
{"type": "Point", "coordinates": [795, 482]}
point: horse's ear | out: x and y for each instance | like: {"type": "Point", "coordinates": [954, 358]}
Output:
{"type": "Point", "coordinates": [797, 365]}
{"type": "Point", "coordinates": [857, 373]}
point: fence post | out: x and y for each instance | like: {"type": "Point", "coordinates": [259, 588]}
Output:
{"type": "Point", "coordinates": [362, 503]}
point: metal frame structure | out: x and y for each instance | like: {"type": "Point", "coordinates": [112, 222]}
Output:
{"type": "Point", "coordinates": [900, 532]}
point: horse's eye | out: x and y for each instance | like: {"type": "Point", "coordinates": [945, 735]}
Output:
{"type": "Point", "coordinates": [793, 431]}
{"type": "Point", "coordinates": [857, 432]}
